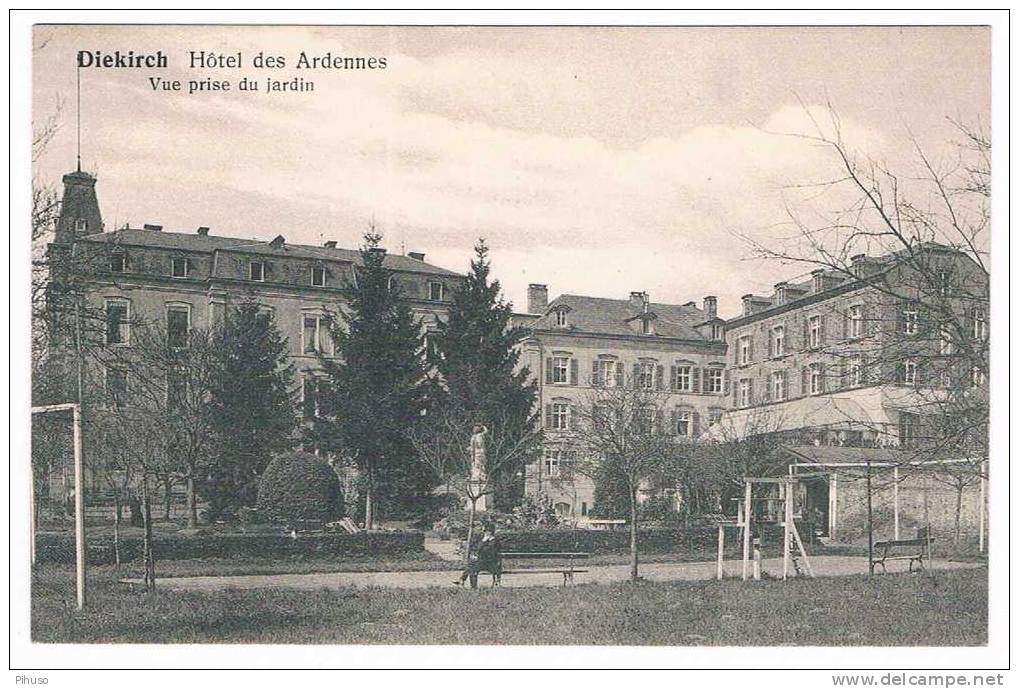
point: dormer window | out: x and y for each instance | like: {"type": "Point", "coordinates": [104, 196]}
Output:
{"type": "Point", "coordinates": [647, 326]}
{"type": "Point", "coordinates": [318, 277]}
{"type": "Point", "coordinates": [180, 267]}
{"type": "Point", "coordinates": [716, 331]}
{"type": "Point", "coordinates": [256, 271]}
{"type": "Point", "coordinates": [561, 318]}
{"type": "Point", "coordinates": [118, 262]}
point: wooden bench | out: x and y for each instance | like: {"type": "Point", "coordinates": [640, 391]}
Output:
{"type": "Point", "coordinates": [913, 549]}
{"type": "Point", "coordinates": [567, 569]}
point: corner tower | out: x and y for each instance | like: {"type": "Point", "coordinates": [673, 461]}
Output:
{"type": "Point", "coordinates": [79, 209]}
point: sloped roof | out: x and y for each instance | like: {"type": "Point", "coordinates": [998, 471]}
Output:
{"type": "Point", "coordinates": [597, 315]}
{"type": "Point", "coordinates": [209, 243]}
{"type": "Point", "coordinates": [822, 454]}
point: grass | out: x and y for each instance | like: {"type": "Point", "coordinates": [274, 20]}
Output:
{"type": "Point", "coordinates": [946, 608]}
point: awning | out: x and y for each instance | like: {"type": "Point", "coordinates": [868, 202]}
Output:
{"type": "Point", "coordinates": [841, 411]}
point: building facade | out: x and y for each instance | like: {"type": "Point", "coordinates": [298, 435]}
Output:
{"type": "Point", "coordinates": [577, 343]}
{"type": "Point", "coordinates": [180, 281]}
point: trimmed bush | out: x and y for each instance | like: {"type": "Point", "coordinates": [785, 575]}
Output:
{"type": "Point", "coordinates": [297, 487]}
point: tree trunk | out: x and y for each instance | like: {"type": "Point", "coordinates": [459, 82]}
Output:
{"type": "Point", "coordinates": [148, 555]}
{"type": "Point", "coordinates": [369, 500]}
{"type": "Point", "coordinates": [192, 503]}
{"type": "Point", "coordinates": [470, 531]}
{"type": "Point", "coordinates": [167, 498]}
{"type": "Point", "coordinates": [959, 488]}
{"type": "Point", "coordinates": [116, 528]}
{"type": "Point", "coordinates": [633, 535]}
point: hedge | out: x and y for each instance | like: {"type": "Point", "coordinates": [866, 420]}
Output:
{"type": "Point", "coordinates": [649, 540]}
{"type": "Point", "coordinates": [60, 547]}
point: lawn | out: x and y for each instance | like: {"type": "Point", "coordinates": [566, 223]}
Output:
{"type": "Point", "coordinates": [947, 608]}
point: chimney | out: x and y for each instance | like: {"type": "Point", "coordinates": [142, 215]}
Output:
{"type": "Point", "coordinates": [639, 300]}
{"type": "Point", "coordinates": [331, 244]}
{"type": "Point", "coordinates": [153, 228]}
{"type": "Point", "coordinates": [748, 306]}
{"type": "Point", "coordinates": [863, 265]}
{"type": "Point", "coordinates": [711, 306]}
{"type": "Point", "coordinates": [278, 241]}
{"type": "Point", "coordinates": [416, 255]}
{"type": "Point", "coordinates": [203, 231]}
{"type": "Point", "coordinates": [537, 298]}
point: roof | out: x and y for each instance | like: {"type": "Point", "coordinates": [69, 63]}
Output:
{"type": "Point", "coordinates": [806, 412]}
{"type": "Point", "coordinates": [823, 454]}
{"type": "Point", "coordinates": [597, 315]}
{"type": "Point", "coordinates": [208, 243]}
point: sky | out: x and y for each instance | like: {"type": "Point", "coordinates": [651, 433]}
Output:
{"type": "Point", "coordinates": [598, 161]}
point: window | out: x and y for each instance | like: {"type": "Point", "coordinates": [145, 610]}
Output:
{"type": "Point", "coordinates": [743, 351]}
{"type": "Point", "coordinates": [315, 335]}
{"type": "Point", "coordinates": [436, 291]}
{"type": "Point", "coordinates": [815, 378]}
{"type": "Point", "coordinates": [814, 332]}
{"type": "Point", "coordinates": [80, 225]}
{"type": "Point", "coordinates": [778, 386]}
{"type": "Point", "coordinates": [715, 380]}
{"type": "Point", "coordinates": [645, 420]}
{"type": "Point", "coordinates": [118, 262]}
{"type": "Point", "coordinates": [560, 416]}
{"type": "Point", "coordinates": [716, 331]}
{"type": "Point", "coordinates": [561, 319]}
{"type": "Point", "coordinates": [118, 311]}
{"type": "Point", "coordinates": [684, 378]}
{"type": "Point", "coordinates": [910, 318]}
{"type": "Point", "coordinates": [607, 373]}
{"type": "Point", "coordinates": [746, 392]}
{"type": "Point", "coordinates": [977, 377]}
{"type": "Point", "coordinates": [560, 369]}
{"type": "Point", "coordinates": [116, 384]}
{"type": "Point", "coordinates": [944, 282]}
{"type": "Point", "coordinates": [908, 429]}
{"type": "Point", "coordinates": [909, 372]}
{"type": "Point", "coordinates": [256, 271]}
{"type": "Point", "coordinates": [855, 321]}
{"type": "Point", "coordinates": [647, 326]}
{"type": "Point", "coordinates": [312, 397]}
{"type": "Point", "coordinates": [778, 341]}
{"type": "Point", "coordinates": [979, 324]}
{"type": "Point", "coordinates": [854, 372]}
{"type": "Point", "coordinates": [178, 325]}
{"type": "Point", "coordinates": [945, 345]}
{"type": "Point", "coordinates": [646, 375]}
{"type": "Point", "coordinates": [683, 423]}
{"type": "Point", "coordinates": [553, 463]}
{"type": "Point", "coordinates": [714, 415]}
{"type": "Point", "coordinates": [601, 415]}
{"type": "Point", "coordinates": [318, 277]}
{"type": "Point", "coordinates": [180, 266]}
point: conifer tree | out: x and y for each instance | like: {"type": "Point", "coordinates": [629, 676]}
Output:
{"type": "Point", "coordinates": [478, 362]}
{"type": "Point", "coordinates": [251, 407]}
{"type": "Point", "coordinates": [376, 387]}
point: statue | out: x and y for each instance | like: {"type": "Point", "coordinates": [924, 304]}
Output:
{"type": "Point", "coordinates": [478, 454]}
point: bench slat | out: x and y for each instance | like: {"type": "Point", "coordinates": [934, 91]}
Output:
{"type": "Point", "coordinates": [544, 571]}
{"type": "Point", "coordinates": [544, 556]}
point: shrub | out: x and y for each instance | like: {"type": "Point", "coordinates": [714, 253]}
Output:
{"type": "Point", "coordinates": [298, 486]}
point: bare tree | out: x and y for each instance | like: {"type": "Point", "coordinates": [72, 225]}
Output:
{"type": "Point", "coordinates": [442, 441]}
{"type": "Point", "coordinates": [621, 430]}
{"type": "Point", "coordinates": [916, 244]}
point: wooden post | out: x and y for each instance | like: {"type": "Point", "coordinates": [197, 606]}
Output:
{"type": "Point", "coordinates": [757, 559]}
{"type": "Point", "coordinates": [79, 509]}
{"type": "Point", "coordinates": [721, 550]}
{"type": "Point", "coordinates": [870, 525]}
{"type": "Point", "coordinates": [833, 506]}
{"type": "Point", "coordinates": [746, 530]}
{"type": "Point", "coordinates": [983, 505]}
{"type": "Point", "coordinates": [895, 502]}
{"type": "Point", "coordinates": [786, 488]}
{"type": "Point", "coordinates": [32, 526]}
